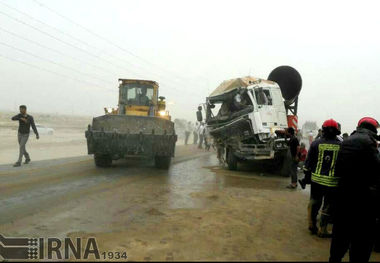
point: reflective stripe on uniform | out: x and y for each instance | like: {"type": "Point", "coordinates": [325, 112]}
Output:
{"type": "Point", "coordinates": [326, 180]}
{"type": "Point", "coordinates": [321, 151]}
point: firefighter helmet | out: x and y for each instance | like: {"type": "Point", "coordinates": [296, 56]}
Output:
{"type": "Point", "coordinates": [330, 123]}
{"type": "Point", "coordinates": [369, 120]}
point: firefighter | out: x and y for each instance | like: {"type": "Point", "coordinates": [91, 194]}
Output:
{"type": "Point", "coordinates": [357, 204]}
{"type": "Point", "coordinates": [319, 172]}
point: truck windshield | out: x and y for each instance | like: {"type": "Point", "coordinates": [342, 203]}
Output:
{"type": "Point", "coordinates": [137, 94]}
{"type": "Point", "coordinates": [232, 107]}
{"type": "Point", "coordinates": [263, 96]}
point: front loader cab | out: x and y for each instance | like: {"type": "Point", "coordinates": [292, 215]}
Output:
{"type": "Point", "coordinates": [137, 97]}
{"type": "Point", "coordinates": [140, 98]}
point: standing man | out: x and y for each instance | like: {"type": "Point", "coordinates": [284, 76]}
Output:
{"type": "Point", "coordinates": [187, 132]}
{"type": "Point", "coordinates": [320, 173]}
{"type": "Point", "coordinates": [311, 138]}
{"type": "Point", "coordinates": [292, 158]}
{"type": "Point", "coordinates": [357, 203]}
{"type": "Point", "coordinates": [201, 135]}
{"type": "Point", "coordinates": [195, 133]}
{"type": "Point", "coordinates": [376, 247]}
{"type": "Point", "coordinates": [25, 121]}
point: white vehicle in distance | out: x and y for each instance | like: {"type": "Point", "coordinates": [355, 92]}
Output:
{"type": "Point", "coordinates": [43, 129]}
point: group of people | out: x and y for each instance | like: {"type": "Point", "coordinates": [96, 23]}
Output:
{"type": "Point", "coordinates": [344, 177]}
{"type": "Point", "coordinates": [200, 135]}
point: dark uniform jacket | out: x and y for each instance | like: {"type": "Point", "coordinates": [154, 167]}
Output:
{"type": "Point", "coordinates": [358, 166]}
{"type": "Point", "coordinates": [24, 127]}
{"type": "Point", "coordinates": [293, 146]}
{"type": "Point", "coordinates": [321, 160]}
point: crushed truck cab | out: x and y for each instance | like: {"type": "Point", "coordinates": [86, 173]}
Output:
{"type": "Point", "coordinates": [248, 117]}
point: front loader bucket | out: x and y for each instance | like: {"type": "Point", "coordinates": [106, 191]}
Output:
{"type": "Point", "coordinates": [133, 124]}
{"type": "Point", "coordinates": [121, 135]}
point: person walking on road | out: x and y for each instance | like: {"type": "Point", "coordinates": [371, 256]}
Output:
{"type": "Point", "coordinates": [320, 173]}
{"type": "Point", "coordinates": [292, 158]}
{"type": "Point", "coordinates": [357, 203]}
{"type": "Point", "coordinates": [25, 122]}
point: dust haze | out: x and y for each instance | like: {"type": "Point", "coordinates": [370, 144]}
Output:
{"type": "Point", "coordinates": [189, 48]}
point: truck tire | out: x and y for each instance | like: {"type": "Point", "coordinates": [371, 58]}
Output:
{"type": "Point", "coordinates": [162, 162]}
{"type": "Point", "coordinates": [232, 161]}
{"type": "Point", "coordinates": [102, 160]}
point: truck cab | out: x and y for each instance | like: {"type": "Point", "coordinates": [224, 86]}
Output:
{"type": "Point", "coordinates": [269, 114]}
{"type": "Point", "coordinates": [250, 120]}
{"type": "Point", "coordinates": [249, 116]}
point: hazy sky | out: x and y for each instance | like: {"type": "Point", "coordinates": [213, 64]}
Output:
{"type": "Point", "coordinates": [189, 47]}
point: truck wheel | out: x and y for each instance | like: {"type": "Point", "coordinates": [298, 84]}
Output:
{"type": "Point", "coordinates": [162, 162]}
{"type": "Point", "coordinates": [231, 160]}
{"type": "Point", "coordinates": [102, 160]}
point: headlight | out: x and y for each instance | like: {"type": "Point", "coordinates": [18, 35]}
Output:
{"type": "Point", "coordinates": [162, 113]}
{"type": "Point", "coordinates": [109, 110]}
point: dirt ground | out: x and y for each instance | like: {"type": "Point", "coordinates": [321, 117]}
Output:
{"type": "Point", "coordinates": [195, 211]}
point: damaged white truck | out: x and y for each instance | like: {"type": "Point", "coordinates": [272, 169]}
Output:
{"type": "Point", "coordinates": [248, 117]}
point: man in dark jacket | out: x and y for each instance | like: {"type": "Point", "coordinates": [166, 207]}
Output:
{"type": "Point", "coordinates": [319, 172]}
{"type": "Point", "coordinates": [357, 203]}
{"type": "Point", "coordinates": [25, 121]}
{"type": "Point", "coordinates": [377, 231]}
{"type": "Point", "coordinates": [292, 158]}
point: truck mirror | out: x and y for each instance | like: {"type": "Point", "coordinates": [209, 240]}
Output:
{"type": "Point", "coordinates": [199, 116]}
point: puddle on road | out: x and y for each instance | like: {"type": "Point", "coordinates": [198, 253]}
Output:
{"type": "Point", "coordinates": [188, 181]}
{"type": "Point", "coordinates": [186, 178]}
{"type": "Point", "coordinates": [249, 177]}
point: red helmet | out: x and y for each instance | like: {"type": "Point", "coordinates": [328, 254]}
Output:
{"type": "Point", "coordinates": [330, 123]}
{"type": "Point", "coordinates": [369, 120]}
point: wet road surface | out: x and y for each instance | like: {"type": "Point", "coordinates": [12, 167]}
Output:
{"type": "Point", "coordinates": [194, 211]}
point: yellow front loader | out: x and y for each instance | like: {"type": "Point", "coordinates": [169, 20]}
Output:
{"type": "Point", "coordinates": [140, 125]}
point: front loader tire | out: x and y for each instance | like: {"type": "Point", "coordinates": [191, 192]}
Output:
{"type": "Point", "coordinates": [102, 160]}
{"type": "Point", "coordinates": [232, 160]}
{"type": "Point", "coordinates": [162, 162]}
